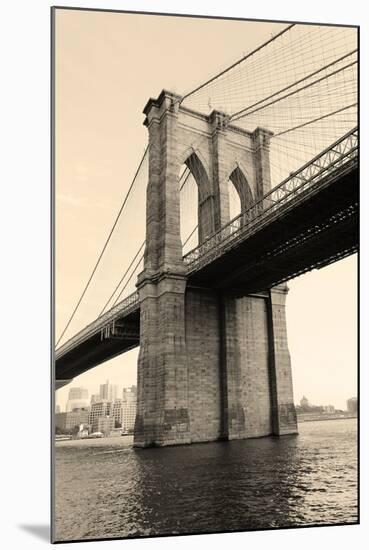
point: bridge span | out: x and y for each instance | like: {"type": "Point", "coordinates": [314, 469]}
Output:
{"type": "Point", "coordinates": [214, 361]}
{"type": "Point", "coordinates": [309, 221]}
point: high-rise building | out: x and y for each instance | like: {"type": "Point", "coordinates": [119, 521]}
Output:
{"type": "Point", "coordinates": [98, 410]}
{"type": "Point", "coordinates": [352, 405]}
{"type": "Point", "coordinates": [77, 399]}
{"type": "Point", "coordinates": [129, 406]}
{"type": "Point", "coordinates": [95, 398]}
{"type": "Point", "coordinates": [116, 411]}
{"type": "Point", "coordinates": [130, 394]}
{"type": "Point", "coordinates": [108, 391]}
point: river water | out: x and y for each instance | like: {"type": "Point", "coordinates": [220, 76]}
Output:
{"type": "Point", "coordinates": [105, 488]}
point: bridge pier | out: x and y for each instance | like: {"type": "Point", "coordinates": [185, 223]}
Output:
{"type": "Point", "coordinates": [211, 366]}
{"type": "Point", "coordinates": [283, 408]}
{"type": "Point", "coordinates": [162, 398]}
{"type": "Point", "coordinates": [256, 366]}
{"type": "Point", "coordinates": [214, 367]}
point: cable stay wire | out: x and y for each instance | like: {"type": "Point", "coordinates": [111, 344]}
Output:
{"type": "Point", "coordinates": [298, 90]}
{"type": "Point", "coordinates": [184, 176]}
{"type": "Point", "coordinates": [242, 111]}
{"type": "Point", "coordinates": [104, 247]}
{"type": "Point", "coordinates": [314, 120]}
{"type": "Point", "coordinates": [122, 278]}
{"type": "Point", "coordinates": [129, 278]}
{"type": "Point", "coordinates": [247, 56]}
{"type": "Point", "coordinates": [190, 235]}
{"type": "Point", "coordinates": [138, 263]}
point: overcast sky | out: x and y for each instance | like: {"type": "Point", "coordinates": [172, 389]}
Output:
{"type": "Point", "coordinates": [107, 66]}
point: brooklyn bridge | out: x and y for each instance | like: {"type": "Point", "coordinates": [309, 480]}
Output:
{"type": "Point", "coordinates": [269, 146]}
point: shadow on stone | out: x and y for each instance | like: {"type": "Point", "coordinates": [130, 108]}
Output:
{"type": "Point", "coordinates": [40, 531]}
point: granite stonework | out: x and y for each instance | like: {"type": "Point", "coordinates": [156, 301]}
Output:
{"type": "Point", "coordinates": [211, 365]}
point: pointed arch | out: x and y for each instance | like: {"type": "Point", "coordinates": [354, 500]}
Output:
{"type": "Point", "coordinates": [238, 178]}
{"type": "Point", "coordinates": [233, 200]}
{"type": "Point", "coordinates": [205, 206]}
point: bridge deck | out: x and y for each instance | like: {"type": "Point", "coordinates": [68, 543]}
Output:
{"type": "Point", "coordinates": [308, 221]}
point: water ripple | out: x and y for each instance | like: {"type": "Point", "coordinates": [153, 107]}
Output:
{"type": "Point", "coordinates": [109, 489]}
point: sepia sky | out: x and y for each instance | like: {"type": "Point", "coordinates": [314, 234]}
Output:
{"type": "Point", "coordinates": [107, 67]}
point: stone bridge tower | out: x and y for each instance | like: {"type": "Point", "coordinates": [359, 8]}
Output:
{"type": "Point", "coordinates": [211, 365]}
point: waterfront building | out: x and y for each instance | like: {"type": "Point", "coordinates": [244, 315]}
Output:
{"type": "Point", "coordinates": [352, 405]}
{"type": "Point", "coordinates": [129, 407]}
{"type": "Point", "coordinates": [116, 410]}
{"type": "Point", "coordinates": [98, 410]}
{"type": "Point", "coordinates": [68, 420]}
{"type": "Point", "coordinates": [104, 424]}
{"type": "Point", "coordinates": [108, 391]}
{"type": "Point", "coordinates": [329, 409]}
{"type": "Point", "coordinates": [60, 420]}
{"type": "Point", "coordinates": [76, 418]}
{"type": "Point", "coordinates": [304, 402]}
{"type": "Point", "coordinates": [77, 398]}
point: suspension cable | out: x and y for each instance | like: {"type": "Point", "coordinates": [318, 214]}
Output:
{"type": "Point", "coordinates": [123, 277]}
{"type": "Point", "coordinates": [314, 120]}
{"type": "Point", "coordinates": [234, 115]}
{"type": "Point", "coordinates": [298, 90]}
{"type": "Point", "coordinates": [236, 63]}
{"type": "Point", "coordinates": [185, 177]}
{"type": "Point", "coordinates": [138, 263]}
{"type": "Point", "coordinates": [104, 247]}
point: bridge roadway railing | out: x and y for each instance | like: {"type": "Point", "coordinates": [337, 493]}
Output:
{"type": "Point", "coordinates": [333, 158]}
{"type": "Point", "coordinates": [327, 162]}
{"type": "Point", "coordinates": [126, 306]}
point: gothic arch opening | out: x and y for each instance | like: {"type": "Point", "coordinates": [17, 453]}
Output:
{"type": "Point", "coordinates": [240, 194]}
{"type": "Point", "coordinates": [234, 200]}
{"type": "Point", "coordinates": [196, 204]}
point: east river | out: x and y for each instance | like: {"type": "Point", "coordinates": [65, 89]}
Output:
{"type": "Point", "coordinates": [105, 488]}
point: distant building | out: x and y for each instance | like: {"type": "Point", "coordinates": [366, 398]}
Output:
{"type": "Point", "coordinates": [77, 417]}
{"type": "Point", "coordinates": [129, 407]}
{"type": "Point", "coordinates": [108, 391]}
{"type": "Point", "coordinates": [304, 402]}
{"type": "Point", "coordinates": [329, 409]}
{"type": "Point", "coordinates": [130, 394]}
{"type": "Point", "coordinates": [352, 405]}
{"type": "Point", "coordinates": [95, 398]}
{"type": "Point", "coordinates": [98, 410]}
{"type": "Point", "coordinates": [69, 420]}
{"type": "Point", "coordinates": [105, 424]}
{"type": "Point", "coordinates": [116, 411]}
{"type": "Point", "coordinates": [77, 398]}
{"type": "Point", "coordinates": [60, 420]}
{"type": "Point", "coordinates": [57, 409]}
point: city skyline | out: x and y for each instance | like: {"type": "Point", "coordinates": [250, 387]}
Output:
{"type": "Point", "coordinates": [103, 412]}
{"type": "Point", "coordinates": [121, 391]}
{"type": "Point", "coordinates": [115, 392]}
